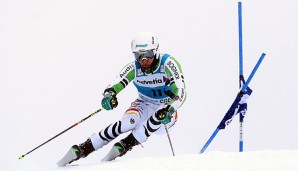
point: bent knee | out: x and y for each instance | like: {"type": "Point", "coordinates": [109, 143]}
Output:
{"type": "Point", "coordinates": [130, 120]}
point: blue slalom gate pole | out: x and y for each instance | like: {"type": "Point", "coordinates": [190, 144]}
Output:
{"type": "Point", "coordinates": [235, 103]}
{"type": "Point", "coordinates": [240, 40]}
{"type": "Point", "coordinates": [209, 140]}
{"type": "Point", "coordinates": [253, 72]}
{"type": "Point", "coordinates": [241, 116]}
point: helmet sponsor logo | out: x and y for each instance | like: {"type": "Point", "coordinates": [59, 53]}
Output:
{"type": "Point", "coordinates": [125, 71]}
{"type": "Point", "coordinates": [174, 69]}
{"type": "Point", "coordinates": [142, 46]}
{"type": "Point", "coordinates": [154, 81]}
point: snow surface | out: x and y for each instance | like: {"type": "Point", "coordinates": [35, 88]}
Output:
{"type": "Point", "coordinates": [57, 56]}
{"type": "Point", "coordinates": [286, 160]}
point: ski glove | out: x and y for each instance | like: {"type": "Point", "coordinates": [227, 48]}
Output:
{"type": "Point", "coordinates": [164, 115]}
{"type": "Point", "coordinates": [109, 101]}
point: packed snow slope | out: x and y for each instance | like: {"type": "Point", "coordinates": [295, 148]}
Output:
{"type": "Point", "coordinates": [282, 160]}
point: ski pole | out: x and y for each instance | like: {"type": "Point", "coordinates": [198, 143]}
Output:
{"type": "Point", "coordinates": [169, 139]}
{"type": "Point", "coordinates": [236, 101]}
{"type": "Point", "coordinates": [77, 123]}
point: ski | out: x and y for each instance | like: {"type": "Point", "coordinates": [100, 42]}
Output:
{"type": "Point", "coordinates": [113, 153]}
{"type": "Point", "coordinates": [72, 155]}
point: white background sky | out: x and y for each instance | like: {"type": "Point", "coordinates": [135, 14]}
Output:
{"type": "Point", "coordinates": [57, 57]}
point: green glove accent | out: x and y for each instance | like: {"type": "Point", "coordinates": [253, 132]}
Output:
{"type": "Point", "coordinates": [164, 115]}
{"type": "Point", "coordinates": [109, 102]}
{"type": "Point", "coordinates": [167, 119]}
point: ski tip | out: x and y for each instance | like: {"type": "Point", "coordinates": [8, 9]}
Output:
{"type": "Point", "coordinates": [22, 156]}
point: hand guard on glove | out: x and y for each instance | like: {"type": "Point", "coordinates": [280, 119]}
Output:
{"type": "Point", "coordinates": [164, 115]}
{"type": "Point", "coordinates": [109, 101]}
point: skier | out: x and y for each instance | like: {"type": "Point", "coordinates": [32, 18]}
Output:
{"type": "Point", "coordinates": [159, 80]}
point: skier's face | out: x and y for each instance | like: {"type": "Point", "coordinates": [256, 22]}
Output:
{"type": "Point", "coordinates": [145, 58]}
{"type": "Point", "coordinates": [146, 63]}
{"type": "Point", "coordinates": [144, 54]}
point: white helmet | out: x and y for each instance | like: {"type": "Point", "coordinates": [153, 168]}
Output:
{"type": "Point", "coordinates": [145, 41]}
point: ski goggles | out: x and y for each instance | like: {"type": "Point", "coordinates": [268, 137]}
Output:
{"type": "Point", "coordinates": [148, 54]}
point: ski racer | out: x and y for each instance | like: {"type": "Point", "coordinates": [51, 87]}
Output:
{"type": "Point", "coordinates": [160, 83]}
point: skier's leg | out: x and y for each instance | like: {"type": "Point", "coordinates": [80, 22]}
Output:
{"type": "Point", "coordinates": [95, 142]}
{"type": "Point", "coordinates": [152, 125]}
{"type": "Point", "coordinates": [98, 140]}
{"type": "Point", "coordinates": [130, 119]}
{"type": "Point", "coordinates": [123, 146]}
{"type": "Point", "coordinates": [138, 135]}
{"type": "Point", "coordinates": [142, 132]}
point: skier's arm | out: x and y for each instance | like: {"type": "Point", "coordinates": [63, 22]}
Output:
{"type": "Point", "coordinates": [177, 90]}
{"type": "Point", "coordinates": [126, 75]}
{"type": "Point", "coordinates": [177, 84]}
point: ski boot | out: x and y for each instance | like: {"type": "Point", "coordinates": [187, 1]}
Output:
{"type": "Point", "coordinates": [76, 152]}
{"type": "Point", "coordinates": [121, 148]}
